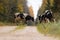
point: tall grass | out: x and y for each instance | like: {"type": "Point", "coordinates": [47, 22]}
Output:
{"type": "Point", "coordinates": [49, 28]}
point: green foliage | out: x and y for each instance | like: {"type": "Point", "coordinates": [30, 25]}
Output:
{"type": "Point", "coordinates": [9, 7]}
{"type": "Point", "coordinates": [49, 28]}
{"type": "Point", "coordinates": [54, 5]}
{"type": "Point", "coordinates": [7, 24]}
{"type": "Point", "coordinates": [21, 26]}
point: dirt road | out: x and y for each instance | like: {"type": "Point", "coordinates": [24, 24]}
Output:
{"type": "Point", "coordinates": [28, 33]}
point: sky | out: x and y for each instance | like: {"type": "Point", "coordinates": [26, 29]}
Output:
{"type": "Point", "coordinates": [36, 4]}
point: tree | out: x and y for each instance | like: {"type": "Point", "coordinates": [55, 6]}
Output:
{"type": "Point", "coordinates": [9, 7]}
{"type": "Point", "coordinates": [54, 5]}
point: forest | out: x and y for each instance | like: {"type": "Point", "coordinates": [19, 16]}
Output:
{"type": "Point", "coordinates": [9, 7]}
{"type": "Point", "coordinates": [54, 5]}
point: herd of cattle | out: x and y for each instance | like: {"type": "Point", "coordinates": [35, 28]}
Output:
{"type": "Point", "coordinates": [24, 17]}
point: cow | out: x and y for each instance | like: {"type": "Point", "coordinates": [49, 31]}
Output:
{"type": "Point", "coordinates": [19, 17]}
{"type": "Point", "coordinates": [46, 17]}
{"type": "Point", "coordinates": [49, 16]}
{"type": "Point", "coordinates": [24, 17]}
{"type": "Point", "coordinates": [29, 18]}
{"type": "Point", "coordinates": [41, 18]}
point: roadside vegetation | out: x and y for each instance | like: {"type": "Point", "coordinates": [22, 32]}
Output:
{"type": "Point", "coordinates": [20, 26]}
{"type": "Point", "coordinates": [49, 28]}
{"type": "Point", "coordinates": [7, 24]}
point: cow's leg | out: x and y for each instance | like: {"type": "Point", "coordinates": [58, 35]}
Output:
{"type": "Point", "coordinates": [40, 20]}
{"type": "Point", "coordinates": [23, 21]}
{"type": "Point", "coordinates": [53, 20]}
{"type": "Point", "coordinates": [16, 21]}
{"type": "Point", "coordinates": [47, 20]}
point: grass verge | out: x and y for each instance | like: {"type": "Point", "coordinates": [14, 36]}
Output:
{"type": "Point", "coordinates": [7, 24]}
{"type": "Point", "coordinates": [19, 27]}
{"type": "Point", "coordinates": [49, 28]}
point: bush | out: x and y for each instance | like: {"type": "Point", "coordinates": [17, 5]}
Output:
{"type": "Point", "coordinates": [49, 28]}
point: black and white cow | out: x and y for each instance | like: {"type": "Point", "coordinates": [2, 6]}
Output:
{"type": "Point", "coordinates": [41, 18]}
{"type": "Point", "coordinates": [49, 15]}
{"type": "Point", "coordinates": [46, 17]}
{"type": "Point", "coordinates": [19, 17]}
{"type": "Point", "coordinates": [29, 18]}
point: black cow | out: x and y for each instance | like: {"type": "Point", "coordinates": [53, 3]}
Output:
{"type": "Point", "coordinates": [46, 17]}
{"type": "Point", "coordinates": [29, 18]}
